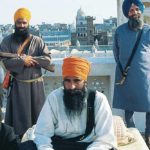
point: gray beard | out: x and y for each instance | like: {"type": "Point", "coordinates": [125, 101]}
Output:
{"type": "Point", "coordinates": [135, 24]}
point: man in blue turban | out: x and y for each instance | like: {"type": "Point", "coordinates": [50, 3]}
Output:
{"type": "Point", "coordinates": [132, 88]}
{"type": "Point", "coordinates": [128, 3]}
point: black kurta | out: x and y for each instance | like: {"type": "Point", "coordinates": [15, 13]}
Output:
{"type": "Point", "coordinates": [8, 140]}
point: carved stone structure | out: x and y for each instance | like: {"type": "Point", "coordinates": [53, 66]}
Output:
{"type": "Point", "coordinates": [84, 29]}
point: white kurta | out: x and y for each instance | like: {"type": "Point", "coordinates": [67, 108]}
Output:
{"type": "Point", "coordinates": [53, 120]}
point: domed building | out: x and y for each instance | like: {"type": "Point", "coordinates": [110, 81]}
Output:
{"type": "Point", "coordinates": [80, 14]}
{"type": "Point", "coordinates": [84, 29]}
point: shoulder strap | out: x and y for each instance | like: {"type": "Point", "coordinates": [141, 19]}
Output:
{"type": "Point", "coordinates": [90, 117]}
{"type": "Point", "coordinates": [134, 48]}
{"type": "Point", "coordinates": [90, 112]}
{"type": "Point", "coordinates": [20, 49]}
{"type": "Point", "coordinates": [133, 52]}
{"type": "Point", "coordinates": [124, 71]}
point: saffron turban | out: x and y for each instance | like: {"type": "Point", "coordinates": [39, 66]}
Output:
{"type": "Point", "coordinates": [22, 13]}
{"type": "Point", "coordinates": [127, 5]}
{"type": "Point", "coordinates": [75, 66]}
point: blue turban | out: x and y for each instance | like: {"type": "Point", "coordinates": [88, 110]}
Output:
{"type": "Point", "coordinates": [127, 4]}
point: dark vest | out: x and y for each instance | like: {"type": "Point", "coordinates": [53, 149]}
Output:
{"type": "Point", "coordinates": [8, 140]}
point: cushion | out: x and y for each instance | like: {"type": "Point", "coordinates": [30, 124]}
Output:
{"type": "Point", "coordinates": [123, 135]}
{"type": "Point", "coordinates": [29, 134]}
{"type": "Point", "coordinates": [139, 143]}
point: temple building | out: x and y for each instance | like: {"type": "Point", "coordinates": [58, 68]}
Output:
{"type": "Point", "coordinates": [84, 29]}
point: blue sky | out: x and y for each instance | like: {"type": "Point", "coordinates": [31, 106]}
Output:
{"type": "Point", "coordinates": [53, 11]}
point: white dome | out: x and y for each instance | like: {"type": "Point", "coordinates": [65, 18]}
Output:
{"type": "Point", "coordinates": [80, 13]}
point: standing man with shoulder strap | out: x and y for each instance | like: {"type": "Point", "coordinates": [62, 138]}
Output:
{"type": "Point", "coordinates": [26, 96]}
{"type": "Point", "coordinates": [132, 55]}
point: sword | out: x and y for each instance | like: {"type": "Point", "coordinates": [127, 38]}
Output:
{"type": "Point", "coordinates": [124, 75]}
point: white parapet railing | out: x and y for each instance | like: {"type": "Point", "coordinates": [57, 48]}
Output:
{"type": "Point", "coordinates": [82, 51]}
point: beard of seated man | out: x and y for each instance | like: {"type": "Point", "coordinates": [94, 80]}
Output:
{"type": "Point", "coordinates": [74, 101]}
{"type": "Point", "coordinates": [135, 23]}
{"type": "Point", "coordinates": [21, 33]}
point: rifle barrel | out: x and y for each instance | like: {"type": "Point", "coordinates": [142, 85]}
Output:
{"type": "Point", "coordinates": [8, 55]}
{"type": "Point", "coordinates": [13, 55]}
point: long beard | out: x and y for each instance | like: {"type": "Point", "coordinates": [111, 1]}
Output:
{"type": "Point", "coordinates": [21, 34]}
{"type": "Point", "coordinates": [135, 23]}
{"type": "Point", "coordinates": [74, 102]}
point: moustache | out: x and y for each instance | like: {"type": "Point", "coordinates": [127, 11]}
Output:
{"type": "Point", "coordinates": [21, 33]}
{"type": "Point", "coordinates": [21, 28]}
{"type": "Point", "coordinates": [135, 16]}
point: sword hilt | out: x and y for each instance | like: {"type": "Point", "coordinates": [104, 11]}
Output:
{"type": "Point", "coordinates": [121, 81]}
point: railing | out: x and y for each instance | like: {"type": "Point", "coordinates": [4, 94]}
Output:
{"type": "Point", "coordinates": [82, 51]}
{"type": "Point", "coordinates": [82, 48]}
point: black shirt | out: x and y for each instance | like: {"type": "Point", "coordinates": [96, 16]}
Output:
{"type": "Point", "coordinates": [8, 139]}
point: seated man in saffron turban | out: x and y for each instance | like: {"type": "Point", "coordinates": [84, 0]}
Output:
{"type": "Point", "coordinates": [69, 120]}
